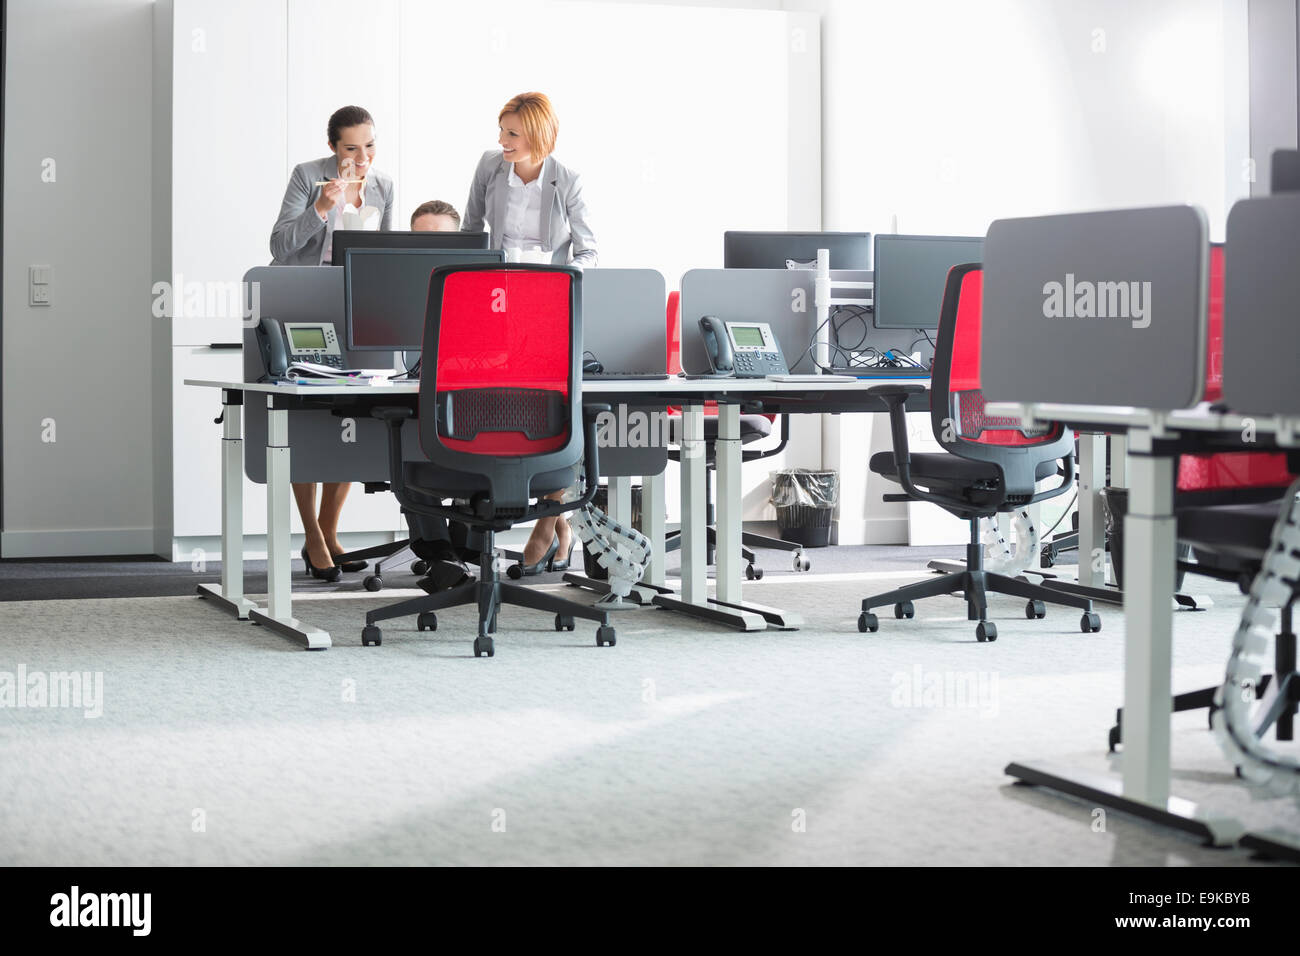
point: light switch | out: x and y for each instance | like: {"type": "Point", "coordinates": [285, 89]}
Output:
{"type": "Point", "coordinates": [38, 284]}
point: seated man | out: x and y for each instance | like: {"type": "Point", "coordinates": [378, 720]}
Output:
{"type": "Point", "coordinates": [431, 539]}
{"type": "Point", "coordinates": [435, 216]}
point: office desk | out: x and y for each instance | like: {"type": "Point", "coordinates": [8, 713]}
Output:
{"type": "Point", "coordinates": [1155, 441]}
{"type": "Point", "coordinates": [836, 395]}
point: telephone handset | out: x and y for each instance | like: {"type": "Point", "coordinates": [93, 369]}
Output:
{"type": "Point", "coordinates": [742, 349]}
{"type": "Point", "coordinates": [285, 343]}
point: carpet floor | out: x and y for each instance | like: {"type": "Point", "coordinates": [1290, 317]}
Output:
{"type": "Point", "coordinates": [217, 742]}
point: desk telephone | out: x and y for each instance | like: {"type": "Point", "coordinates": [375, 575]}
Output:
{"type": "Point", "coordinates": [284, 343]}
{"type": "Point", "coordinates": [742, 349]}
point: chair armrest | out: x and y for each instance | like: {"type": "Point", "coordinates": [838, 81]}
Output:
{"type": "Point", "coordinates": [389, 413]}
{"type": "Point", "coordinates": [393, 416]}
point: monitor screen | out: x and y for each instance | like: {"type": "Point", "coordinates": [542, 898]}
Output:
{"type": "Point", "coordinates": [785, 250]}
{"type": "Point", "coordinates": [385, 292]}
{"type": "Point", "coordinates": [345, 239]}
{"type": "Point", "coordinates": [911, 272]}
{"type": "Point", "coordinates": [308, 340]}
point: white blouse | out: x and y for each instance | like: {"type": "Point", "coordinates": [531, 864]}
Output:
{"type": "Point", "coordinates": [346, 216]}
{"type": "Point", "coordinates": [522, 228]}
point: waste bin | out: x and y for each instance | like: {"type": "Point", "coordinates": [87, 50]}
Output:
{"type": "Point", "coordinates": [805, 503]}
{"type": "Point", "coordinates": [1115, 501]}
{"type": "Point", "coordinates": [590, 565]}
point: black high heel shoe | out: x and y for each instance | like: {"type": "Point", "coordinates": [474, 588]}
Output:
{"type": "Point", "coordinates": [349, 567]}
{"type": "Point", "coordinates": [521, 570]}
{"type": "Point", "coordinates": [557, 565]}
{"type": "Point", "coordinates": [323, 574]}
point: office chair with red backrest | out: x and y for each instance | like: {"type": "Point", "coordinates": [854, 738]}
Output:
{"type": "Point", "coordinates": [501, 423]}
{"type": "Point", "coordinates": [988, 466]}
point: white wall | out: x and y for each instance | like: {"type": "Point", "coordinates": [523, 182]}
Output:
{"type": "Point", "coordinates": [943, 115]}
{"type": "Point", "coordinates": [948, 114]}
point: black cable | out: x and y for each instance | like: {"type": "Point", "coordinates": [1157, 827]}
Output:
{"type": "Point", "coordinates": [1048, 533]}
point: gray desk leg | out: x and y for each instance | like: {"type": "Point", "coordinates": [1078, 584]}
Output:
{"type": "Point", "coordinates": [279, 613]}
{"type": "Point", "coordinates": [1149, 558]}
{"type": "Point", "coordinates": [230, 594]}
{"type": "Point", "coordinates": [1118, 479]}
{"type": "Point", "coordinates": [1092, 519]}
{"type": "Point", "coordinates": [694, 598]}
{"type": "Point", "coordinates": [730, 506]}
{"type": "Point", "coordinates": [653, 521]}
{"type": "Point", "coordinates": [694, 515]}
{"type": "Point", "coordinates": [1148, 663]}
{"type": "Point", "coordinates": [620, 499]}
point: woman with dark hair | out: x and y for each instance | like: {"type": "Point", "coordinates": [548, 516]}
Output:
{"type": "Point", "coordinates": [341, 191]}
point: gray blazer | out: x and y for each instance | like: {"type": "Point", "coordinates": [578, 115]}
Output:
{"type": "Point", "coordinates": [298, 237]}
{"type": "Point", "coordinates": [564, 213]}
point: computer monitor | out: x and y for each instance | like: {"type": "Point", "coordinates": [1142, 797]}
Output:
{"type": "Point", "coordinates": [784, 250]}
{"type": "Point", "coordinates": [345, 239]}
{"type": "Point", "coordinates": [911, 272]}
{"type": "Point", "coordinates": [385, 292]}
{"type": "Point", "coordinates": [1285, 171]}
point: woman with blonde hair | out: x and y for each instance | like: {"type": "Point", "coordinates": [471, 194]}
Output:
{"type": "Point", "coordinates": [532, 207]}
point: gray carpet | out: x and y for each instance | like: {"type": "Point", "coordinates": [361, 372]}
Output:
{"type": "Point", "coordinates": [221, 743]}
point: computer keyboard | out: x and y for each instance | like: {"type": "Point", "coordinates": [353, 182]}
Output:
{"type": "Point", "coordinates": [624, 376]}
{"type": "Point", "coordinates": [885, 372]}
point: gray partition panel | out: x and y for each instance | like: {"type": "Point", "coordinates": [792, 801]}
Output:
{"type": "Point", "coordinates": [624, 326]}
{"type": "Point", "coordinates": [319, 451]}
{"type": "Point", "coordinates": [1102, 308]}
{"type": "Point", "coordinates": [1261, 305]}
{"type": "Point", "coordinates": [783, 298]}
{"type": "Point", "coordinates": [623, 319]}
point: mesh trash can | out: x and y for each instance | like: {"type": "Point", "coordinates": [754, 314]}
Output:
{"type": "Point", "coordinates": [590, 565]}
{"type": "Point", "coordinates": [805, 504]}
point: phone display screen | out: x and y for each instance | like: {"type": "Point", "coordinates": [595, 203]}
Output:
{"type": "Point", "coordinates": [307, 340]}
{"type": "Point", "coordinates": [747, 336]}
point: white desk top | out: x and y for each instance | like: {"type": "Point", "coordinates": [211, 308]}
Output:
{"type": "Point", "coordinates": [679, 386]}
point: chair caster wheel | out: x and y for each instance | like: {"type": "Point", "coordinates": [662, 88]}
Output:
{"type": "Point", "coordinates": [371, 635]}
{"type": "Point", "coordinates": [604, 636]}
{"type": "Point", "coordinates": [564, 623]}
{"type": "Point", "coordinates": [420, 568]}
{"type": "Point", "coordinates": [373, 582]}
{"type": "Point", "coordinates": [753, 573]}
{"type": "Point", "coordinates": [905, 609]}
{"type": "Point", "coordinates": [1047, 558]}
{"type": "Point", "coordinates": [1035, 610]}
{"type": "Point", "coordinates": [801, 563]}
{"type": "Point", "coordinates": [986, 631]}
{"type": "Point", "coordinates": [483, 645]}
{"type": "Point", "coordinates": [427, 621]}
{"type": "Point", "coordinates": [868, 622]}
{"type": "Point", "coordinates": [515, 572]}
{"type": "Point", "coordinates": [1090, 622]}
